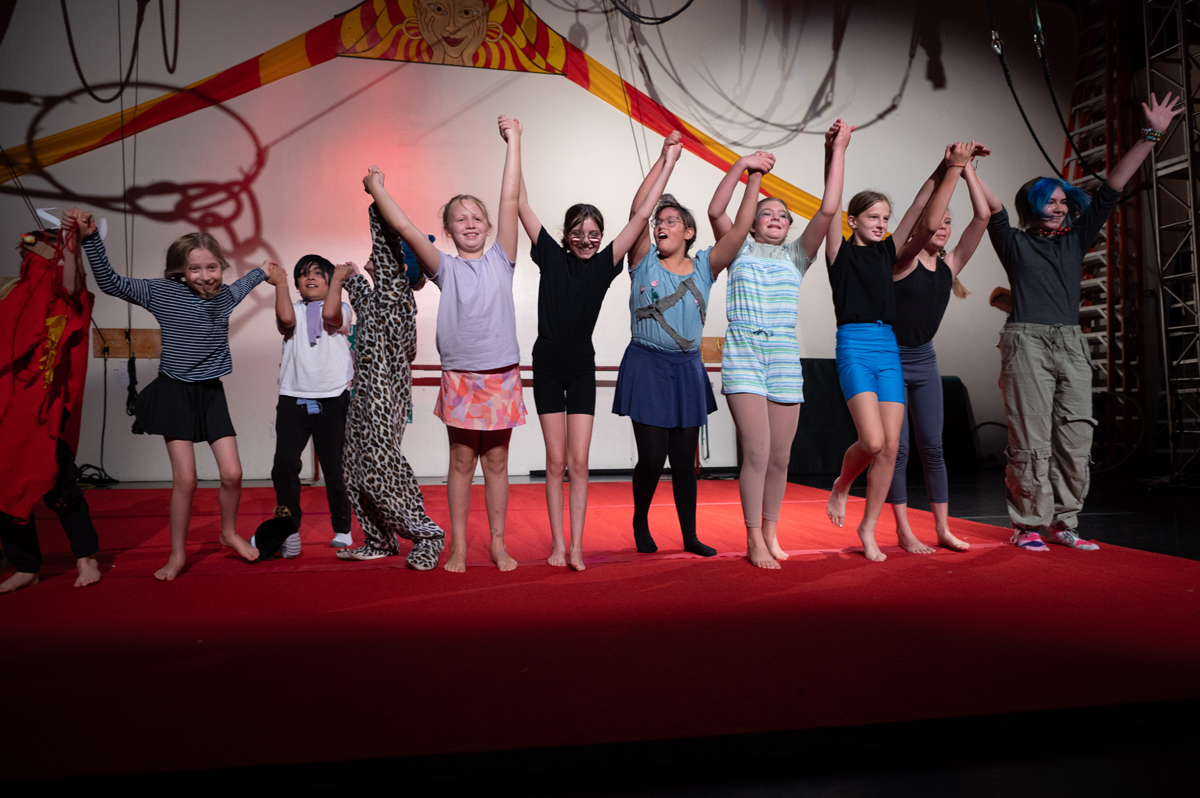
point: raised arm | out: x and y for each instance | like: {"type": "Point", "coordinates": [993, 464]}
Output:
{"type": "Point", "coordinates": [242, 286]}
{"type": "Point", "coordinates": [1158, 117]}
{"type": "Point", "coordinates": [837, 138]}
{"type": "Point", "coordinates": [285, 314]}
{"type": "Point", "coordinates": [905, 228]}
{"type": "Point", "coordinates": [730, 244]}
{"type": "Point", "coordinates": [510, 188]}
{"type": "Point", "coordinates": [428, 255]}
{"type": "Point", "coordinates": [529, 219]}
{"type": "Point", "coordinates": [76, 226]}
{"type": "Point", "coordinates": [718, 216]}
{"type": "Point", "coordinates": [957, 157]}
{"type": "Point", "coordinates": [835, 179]}
{"type": "Point", "coordinates": [641, 244]}
{"type": "Point", "coordinates": [128, 288]}
{"type": "Point", "coordinates": [331, 311]}
{"type": "Point", "coordinates": [639, 221]}
{"type": "Point", "coordinates": [957, 258]}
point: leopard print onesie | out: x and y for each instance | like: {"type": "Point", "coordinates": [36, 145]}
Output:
{"type": "Point", "coordinates": [382, 486]}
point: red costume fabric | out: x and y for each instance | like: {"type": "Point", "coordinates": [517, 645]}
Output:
{"type": "Point", "coordinates": [43, 335]}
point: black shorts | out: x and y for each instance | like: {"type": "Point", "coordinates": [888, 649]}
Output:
{"type": "Point", "coordinates": [190, 411]}
{"type": "Point", "coordinates": [564, 378]}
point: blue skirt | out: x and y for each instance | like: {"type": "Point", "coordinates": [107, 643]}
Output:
{"type": "Point", "coordinates": [663, 389]}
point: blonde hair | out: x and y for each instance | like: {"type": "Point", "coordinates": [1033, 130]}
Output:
{"type": "Point", "coordinates": [448, 210]}
{"type": "Point", "coordinates": [182, 247]}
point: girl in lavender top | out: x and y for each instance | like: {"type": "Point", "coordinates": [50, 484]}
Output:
{"type": "Point", "coordinates": [480, 396]}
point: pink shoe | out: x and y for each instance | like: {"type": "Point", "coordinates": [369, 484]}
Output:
{"type": "Point", "coordinates": [1029, 541]}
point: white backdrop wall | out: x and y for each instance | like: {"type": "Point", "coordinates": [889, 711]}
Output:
{"type": "Point", "coordinates": [432, 129]}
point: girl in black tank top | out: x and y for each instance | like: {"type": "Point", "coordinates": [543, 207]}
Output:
{"type": "Point", "coordinates": [922, 293]}
{"type": "Point", "coordinates": [864, 299]}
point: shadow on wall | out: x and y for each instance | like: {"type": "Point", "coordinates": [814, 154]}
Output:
{"type": "Point", "coordinates": [786, 20]}
{"type": "Point", "coordinates": [225, 208]}
{"type": "Point", "coordinates": [229, 209]}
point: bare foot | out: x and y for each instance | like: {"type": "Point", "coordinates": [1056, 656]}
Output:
{"type": "Point", "coordinates": [18, 581]}
{"type": "Point", "coordinates": [457, 562]}
{"type": "Point", "coordinates": [836, 507]}
{"type": "Point", "coordinates": [500, 555]}
{"type": "Point", "coordinates": [870, 547]}
{"type": "Point", "coordinates": [576, 560]}
{"type": "Point", "coordinates": [89, 571]}
{"type": "Point", "coordinates": [950, 542]}
{"type": "Point", "coordinates": [773, 544]}
{"type": "Point", "coordinates": [909, 542]}
{"type": "Point", "coordinates": [172, 569]}
{"type": "Point", "coordinates": [756, 550]}
{"type": "Point", "coordinates": [558, 557]}
{"type": "Point", "coordinates": [244, 549]}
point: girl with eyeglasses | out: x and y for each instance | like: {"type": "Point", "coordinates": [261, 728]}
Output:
{"type": "Point", "coordinates": [662, 385]}
{"type": "Point", "coordinates": [760, 362]}
{"type": "Point", "coordinates": [575, 275]}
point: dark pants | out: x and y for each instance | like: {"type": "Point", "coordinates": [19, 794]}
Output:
{"type": "Point", "coordinates": [20, 541]}
{"type": "Point", "coordinates": [924, 385]}
{"type": "Point", "coordinates": [294, 425]}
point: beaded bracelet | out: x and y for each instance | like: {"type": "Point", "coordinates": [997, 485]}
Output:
{"type": "Point", "coordinates": [1150, 134]}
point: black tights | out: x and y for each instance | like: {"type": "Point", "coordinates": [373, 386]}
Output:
{"type": "Point", "coordinates": [655, 445]}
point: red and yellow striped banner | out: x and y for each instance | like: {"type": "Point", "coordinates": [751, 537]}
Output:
{"type": "Point", "coordinates": [486, 34]}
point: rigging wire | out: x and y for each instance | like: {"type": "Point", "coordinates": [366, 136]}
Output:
{"type": "Point", "coordinates": [1040, 42]}
{"type": "Point", "coordinates": [24, 195]}
{"type": "Point", "coordinates": [998, 48]}
{"type": "Point", "coordinates": [628, 108]}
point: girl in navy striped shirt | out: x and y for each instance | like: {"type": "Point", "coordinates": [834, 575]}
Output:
{"type": "Point", "coordinates": [186, 403]}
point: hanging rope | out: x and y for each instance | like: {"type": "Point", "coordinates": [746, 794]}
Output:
{"type": "Point", "coordinates": [998, 48]}
{"type": "Point", "coordinates": [169, 60]}
{"type": "Point", "coordinates": [126, 223]}
{"type": "Point", "coordinates": [141, 16]}
{"type": "Point", "coordinates": [644, 19]}
{"type": "Point", "coordinates": [1039, 41]}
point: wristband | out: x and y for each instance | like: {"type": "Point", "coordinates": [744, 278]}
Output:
{"type": "Point", "coordinates": [1152, 135]}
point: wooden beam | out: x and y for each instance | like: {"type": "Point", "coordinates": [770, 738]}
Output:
{"type": "Point", "coordinates": [146, 343]}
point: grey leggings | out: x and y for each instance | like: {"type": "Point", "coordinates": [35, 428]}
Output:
{"type": "Point", "coordinates": [923, 384]}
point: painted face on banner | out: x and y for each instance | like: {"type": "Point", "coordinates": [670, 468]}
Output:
{"type": "Point", "coordinates": [455, 29]}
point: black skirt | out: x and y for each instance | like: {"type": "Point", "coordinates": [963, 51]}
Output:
{"type": "Point", "coordinates": [190, 411]}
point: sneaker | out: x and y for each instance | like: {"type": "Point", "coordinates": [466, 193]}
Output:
{"type": "Point", "coordinates": [291, 546]}
{"type": "Point", "coordinates": [342, 540]}
{"type": "Point", "coordinates": [1067, 537]}
{"type": "Point", "coordinates": [1029, 541]}
{"type": "Point", "coordinates": [364, 552]}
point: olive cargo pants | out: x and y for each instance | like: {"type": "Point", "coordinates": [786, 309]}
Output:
{"type": "Point", "coordinates": [1046, 380]}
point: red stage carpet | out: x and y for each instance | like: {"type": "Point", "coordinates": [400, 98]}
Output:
{"type": "Point", "coordinates": [320, 660]}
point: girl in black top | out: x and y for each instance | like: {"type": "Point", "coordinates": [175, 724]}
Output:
{"type": "Point", "coordinates": [575, 274]}
{"type": "Point", "coordinates": [922, 293]}
{"type": "Point", "coordinates": [860, 274]}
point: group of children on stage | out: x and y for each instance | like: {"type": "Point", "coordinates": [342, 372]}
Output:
{"type": "Point", "coordinates": [889, 296]}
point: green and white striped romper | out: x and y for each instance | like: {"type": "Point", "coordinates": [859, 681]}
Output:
{"type": "Point", "coordinates": [761, 355]}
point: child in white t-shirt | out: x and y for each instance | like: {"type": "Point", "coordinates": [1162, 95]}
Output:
{"type": "Point", "coordinates": [314, 383]}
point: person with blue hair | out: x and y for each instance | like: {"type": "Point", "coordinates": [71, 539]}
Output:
{"type": "Point", "coordinates": [1046, 362]}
